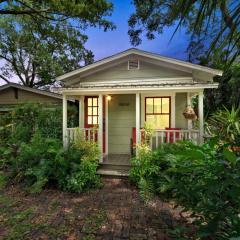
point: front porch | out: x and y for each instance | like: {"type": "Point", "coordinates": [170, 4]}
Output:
{"type": "Point", "coordinates": [115, 121]}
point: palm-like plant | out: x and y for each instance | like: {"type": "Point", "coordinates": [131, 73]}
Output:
{"type": "Point", "coordinates": [226, 125]}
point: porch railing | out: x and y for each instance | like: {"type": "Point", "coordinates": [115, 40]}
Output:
{"type": "Point", "coordinates": [171, 136]}
{"type": "Point", "coordinates": [88, 134]}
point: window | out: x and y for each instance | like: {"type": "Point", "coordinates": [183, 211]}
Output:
{"type": "Point", "coordinates": [92, 110]}
{"type": "Point", "coordinates": [157, 112]}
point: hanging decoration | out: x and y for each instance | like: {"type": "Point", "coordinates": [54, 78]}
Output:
{"type": "Point", "coordinates": [189, 113]}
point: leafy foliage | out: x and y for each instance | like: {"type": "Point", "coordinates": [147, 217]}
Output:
{"type": "Point", "coordinates": [24, 120]}
{"type": "Point", "coordinates": [212, 25]}
{"type": "Point", "coordinates": [226, 125]}
{"type": "Point", "coordinates": [39, 52]}
{"type": "Point", "coordinates": [202, 179]}
{"type": "Point", "coordinates": [199, 178]}
{"type": "Point", "coordinates": [31, 152]}
{"type": "Point", "coordinates": [41, 40]}
{"type": "Point", "coordinates": [57, 10]}
{"type": "Point", "coordinates": [43, 162]}
{"type": "Point", "coordinates": [228, 92]}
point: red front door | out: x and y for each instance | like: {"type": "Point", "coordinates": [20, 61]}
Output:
{"type": "Point", "coordinates": [91, 114]}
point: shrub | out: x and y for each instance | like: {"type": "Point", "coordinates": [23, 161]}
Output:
{"type": "Point", "coordinates": [77, 166]}
{"type": "Point", "coordinates": [43, 162]}
{"type": "Point", "coordinates": [32, 154]}
{"type": "Point", "coordinates": [202, 179]}
{"type": "Point", "coordinates": [225, 125]}
{"type": "Point", "coordinates": [24, 120]}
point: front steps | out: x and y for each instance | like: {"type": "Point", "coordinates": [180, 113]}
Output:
{"type": "Point", "coordinates": [115, 165]}
{"type": "Point", "coordinates": [113, 169]}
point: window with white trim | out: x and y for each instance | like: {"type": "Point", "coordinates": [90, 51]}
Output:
{"type": "Point", "coordinates": [158, 112]}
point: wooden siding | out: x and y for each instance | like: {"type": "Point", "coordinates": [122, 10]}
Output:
{"type": "Point", "coordinates": [7, 96]}
{"type": "Point", "coordinates": [146, 71]}
{"type": "Point", "coordinates": [181, 103]}
{"type": "Point", "coordinates": [121, 119]}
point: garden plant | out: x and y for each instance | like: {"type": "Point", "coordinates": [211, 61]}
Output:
{"type": "Point", "coordinates": [31, 152]}
{"type": "Point", "coordinates": [203, 180]}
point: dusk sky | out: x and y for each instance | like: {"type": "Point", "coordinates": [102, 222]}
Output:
{"type": "Point", "coordinates": [104, 44]}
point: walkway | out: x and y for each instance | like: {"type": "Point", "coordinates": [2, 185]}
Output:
{"type": "Point", "coordinates": [115, 212]}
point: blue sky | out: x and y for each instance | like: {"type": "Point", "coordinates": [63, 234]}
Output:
{"type": "Point", "coordinates": [104, 44]}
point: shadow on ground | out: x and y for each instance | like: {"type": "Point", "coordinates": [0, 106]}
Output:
{"type": "Point", "coordinates": [114, 212]}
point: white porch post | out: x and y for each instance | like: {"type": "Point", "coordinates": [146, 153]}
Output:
{"type": "Point", "coordinates": [81, 112]}
{"type": "Point", "coordinates": [200, 115]}
{"type": "Point", "coordinates": [65, 140]}
{"type": "Point", "coordinates": [106, 126]}
{"type": "Point", "coordinates": [138, 133]}
{"type": "Point", "coordinates": [100, 125]}
{"type": "Point", "coordinates": [189, 103]}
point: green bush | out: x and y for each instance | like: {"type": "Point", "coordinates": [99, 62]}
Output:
{"type": "Point", "coordinates": [202, 179]}
{"type": "Point", "coordinates": [24, 120]}
{"type": "Point", "coordinates": [43, 162]}
{"type": "Point", "coordinates": [19, 125]}
{"type": "Point", "coordinates": [76, 167]}
{"type": "Point", "coordinates": [225, 125]}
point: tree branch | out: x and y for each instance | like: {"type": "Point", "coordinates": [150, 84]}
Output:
{"type": "Point", "coordinates": [33, 74]}
{"type": "Point", "coordinates": [4, 78]}
{"type": "Point", "coordinates": [226, 16]}
{"type": "Point", "coordinates": [24, 11]}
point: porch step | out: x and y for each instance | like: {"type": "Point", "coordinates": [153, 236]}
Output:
{"type": "Point", "coordinates": [109, 172]}
{"type": "Point", "coordinates": [105, 163]}
{"type": "Point", "coordinates": [113, 169]}
{"type": "Point", "coordinates": [114, 166]}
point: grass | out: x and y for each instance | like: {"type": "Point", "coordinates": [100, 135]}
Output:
{"type": "Point", "coordinates": [21, 224]}
{"type": "Point", "coordinates": [94, 221]}
{"type": "Point", "coordinates": [3, 180]}
{"type": "Point", "coordinates": [23, 218]}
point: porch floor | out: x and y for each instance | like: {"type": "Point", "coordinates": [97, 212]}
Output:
{"type": "Point", "coordinates": [115, 165]}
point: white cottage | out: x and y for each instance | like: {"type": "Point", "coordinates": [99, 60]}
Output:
{"type": "Point", "coordinates": [118, 94]}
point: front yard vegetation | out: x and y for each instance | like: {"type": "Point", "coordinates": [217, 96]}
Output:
{"type": "Point", "coordinates": [204, 180]}
{"type": "Point", "coordinates": [32, 155]}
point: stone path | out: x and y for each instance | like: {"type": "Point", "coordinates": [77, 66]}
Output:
{"type": "Point", "coordinates": [127, 216]}
{"type": "Point", "coordinates": [115, 212]}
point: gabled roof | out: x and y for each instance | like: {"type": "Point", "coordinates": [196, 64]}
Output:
{"type": "Point", "coordinates": [33, 90]}
{"type": "Point", "coordinates": [142, 53]}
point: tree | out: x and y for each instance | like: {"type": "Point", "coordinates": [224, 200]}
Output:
{"type": "Point", "coordinates": [37, 53]}
{"type": "Point", "coordinates": [37, 48]}
{"type": "Point", "coordinates": [228, 92]}
{"type": "Point", "coordinates": [83, 11]}
{"type": "Point", "coordinates": [213, 25]}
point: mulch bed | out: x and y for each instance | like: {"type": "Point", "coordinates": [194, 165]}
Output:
{"type": "Point", "coordinates": [115, 212]}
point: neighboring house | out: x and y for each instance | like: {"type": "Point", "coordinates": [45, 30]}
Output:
{"type": "Point", "coordinates": [118, 94]}
{"type": "Point", "coordinates": [12, 94]}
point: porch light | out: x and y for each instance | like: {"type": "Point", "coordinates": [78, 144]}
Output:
{"type": "Point", "coordinates": [109, 98]}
